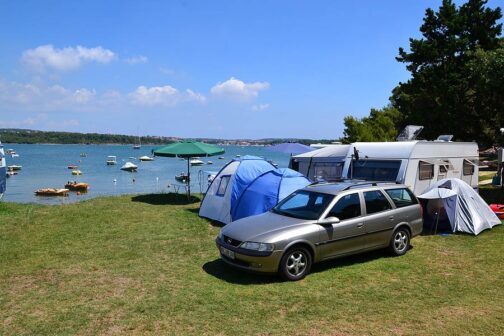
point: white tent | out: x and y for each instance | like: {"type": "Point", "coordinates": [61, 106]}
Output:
{"type": "Point", "coordinates": [466, 210]}
{"type": "Point", "coordinates": [226, 188]}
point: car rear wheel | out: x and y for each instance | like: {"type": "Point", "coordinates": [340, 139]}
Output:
{"type": "Point", "coordinates": [399, 244]}
{"type": "Point", "coordinates": [295, 264]}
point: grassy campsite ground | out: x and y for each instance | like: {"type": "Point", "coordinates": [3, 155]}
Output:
{"type": "Point", "coordinates": [135, 265]}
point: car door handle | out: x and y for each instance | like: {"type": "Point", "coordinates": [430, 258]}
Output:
{"type": "Point", "coordinates": [360, 225]}
{"type": "Point", "coordinates": [391, 217]}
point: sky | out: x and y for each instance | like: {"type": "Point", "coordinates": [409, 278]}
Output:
{"type": "Point", "coordinates": [219, 69]}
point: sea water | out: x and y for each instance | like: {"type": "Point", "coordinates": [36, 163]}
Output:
{"type": "Point", "coordinates": [46, 166]}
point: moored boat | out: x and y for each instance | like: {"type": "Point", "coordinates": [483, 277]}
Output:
{"type": "Point", "coordinates": [128, 166]}
{"type": "Point", "coordinates": [196, 162]}
{"type": "Point", "coordinates": [76, 172]}
{"type": "Point", "coordinates": [72, 166]}
{"type": "Point", "coordinates": [51, 192]}
{"type": "Point", "coordinates": [145, 158]}
{"type": "Point", "coordinates": [209, 162]}
{"type": "Point", "coordinates": [76, 186]}
{"type": "Point", "coordinates": [182, 177]}
{"type": "Point", "coordinates": [14, 167]}
{"type": "Point", "coordinates": [111, 160]}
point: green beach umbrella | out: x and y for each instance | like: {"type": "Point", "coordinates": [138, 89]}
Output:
{"type": "Point", "coordinates": [188, 149]}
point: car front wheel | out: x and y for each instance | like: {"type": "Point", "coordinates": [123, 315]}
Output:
{"type": "Point", "coordinates": [295, 264]}
{"type": "Point", "coordinates": [400, 242]}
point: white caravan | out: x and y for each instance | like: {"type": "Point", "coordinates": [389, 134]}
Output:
{"type": "Point", "coordinates": [417, 164]}
{"type": "Point", "coordinates": [324, 164]}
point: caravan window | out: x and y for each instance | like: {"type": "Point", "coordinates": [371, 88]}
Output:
{"type": "Point", "coordinates": [375, 170]}
{"type": "Point", "coordinates": [223, 185]}
{"type": "Point", "coordinates": [425, 170]}
{"type": "Point", "coordinates": [325, 171]}
{"type": "Point", "coordinates": [468, 167]}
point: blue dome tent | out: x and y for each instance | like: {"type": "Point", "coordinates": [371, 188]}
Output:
{"type": "Point", "coordinates": [228, 185]}
{"type": "Point", "coordinates": [267, 190]}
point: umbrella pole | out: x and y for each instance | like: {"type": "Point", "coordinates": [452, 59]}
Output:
{"type": "Point", "coordinates": [188, 179]}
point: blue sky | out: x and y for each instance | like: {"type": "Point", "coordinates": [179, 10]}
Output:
{"type": "Point", "coordinates": [229, 69]}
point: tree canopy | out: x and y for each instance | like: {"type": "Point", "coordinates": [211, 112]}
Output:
{"type": "Point", "coordinates": [457, 73]}
{"type": "Point", "coordinates": [379, 126]}
{"type": "Point", "coordinates": [457, 79]}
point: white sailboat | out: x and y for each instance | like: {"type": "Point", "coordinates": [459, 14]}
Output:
{"type": "Point", "coordinates": [139, 144]}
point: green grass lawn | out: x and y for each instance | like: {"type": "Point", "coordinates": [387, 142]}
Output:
{"type": "Point", "coordinates": [135, 265]}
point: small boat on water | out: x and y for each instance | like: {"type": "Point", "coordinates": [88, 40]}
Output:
{"type": "Point", "coordinates": [238, 155]}
{"type": "Point", "coordinates": [14, 167]}
{"type": "Point", "coordinates": [76, 172]}
{"type": "Point", "coordinates": [128, 166]}
{"type": "Point", "coordinates": [196, 162]}
{"type": "Point", "coordinates": [76, 186]}
{"type": "Point", "coordinates": [182, 177]}
{"type": "Point", "coordinates": [11, 173]}
{"type": "Point", "coordinates": [72, 166]}
{"type": "Point", "coordinates": [221, 157]}
{"type": "Point", "coordinates": [51, 192]}
{"type": "Point", "coordinates": [83, 154]}
{"type": "Point", "coordinates": [14, 155]}
{"type": "Point", "coordinates": [209, 162]}
{"type": "Point", "coordinates": [111, 160]}
{"type": "Point", "coordinates": [146, 158]}
{"type": "Point", "coordinates": [10, 151]}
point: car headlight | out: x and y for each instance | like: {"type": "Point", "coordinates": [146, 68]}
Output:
{"type": "Point", "coordinates": [262, 247]}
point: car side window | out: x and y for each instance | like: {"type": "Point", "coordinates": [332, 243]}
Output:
{"type": "Point", "coordinates": [376, 202]}
{"type": "Point", "coordinates": [401, 197]}
{"type": "Point", "coordinates": [347, 207]}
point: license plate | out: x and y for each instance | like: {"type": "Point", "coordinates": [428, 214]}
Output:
{"type": "Point", "coordinates": [227, 253]}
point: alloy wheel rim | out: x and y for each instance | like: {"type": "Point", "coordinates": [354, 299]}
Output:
{"type": "Point", "coordinates": [400, 241]}
{"type": "Point", "coordinates": [296, 263]}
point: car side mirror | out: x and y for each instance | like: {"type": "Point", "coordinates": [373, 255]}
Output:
{"type": "Point", "coordinates": [328, 221]}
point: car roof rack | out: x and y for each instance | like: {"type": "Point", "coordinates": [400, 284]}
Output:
{"type": "Point", "coordinates": [371, 183]}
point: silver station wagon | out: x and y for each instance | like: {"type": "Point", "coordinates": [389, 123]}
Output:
{"type": "Point", "coordinates": [321, 222]}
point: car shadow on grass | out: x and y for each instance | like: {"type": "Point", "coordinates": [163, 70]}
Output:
{"type": "Point", "coordinates": [165, 199]}
{"type": "Point", "coordinates": [223, 271]}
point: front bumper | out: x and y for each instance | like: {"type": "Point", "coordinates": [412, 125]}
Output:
{"type": "Point", "coordinates": [264, 262]}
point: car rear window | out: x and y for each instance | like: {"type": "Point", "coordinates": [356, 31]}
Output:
{"type": "Point", "coordinates": [376, 202]}
{"type": "Point", "coordinates": [401, 197]}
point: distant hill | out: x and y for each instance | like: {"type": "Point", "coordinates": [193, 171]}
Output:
{"type": "Point", "coordinates": [10, 135]}
{"type": "Point", "coordinates": [27, 136]}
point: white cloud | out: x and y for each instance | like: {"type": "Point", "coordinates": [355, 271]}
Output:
{"type": "Point", "coordinates": [260, 107]}
{"type": "Point", "coordinates": [164, 95]}
{"type": "Point", "coordinates": [238, 90]}
{"type": "Point", "coordinates": [83, 95]}
{"type": "Point", "coordinates": [137, 60]}
{"type": "Point", "coordinates": [42, 97]}
{"type": "Point", "coordinates": [66, 59]}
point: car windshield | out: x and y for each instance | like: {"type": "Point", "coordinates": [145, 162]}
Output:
{"type": "Point", "coordinates": [304, 205]}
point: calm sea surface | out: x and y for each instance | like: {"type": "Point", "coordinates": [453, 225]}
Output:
{"type": "Point", "coordinates": [45, 166]}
